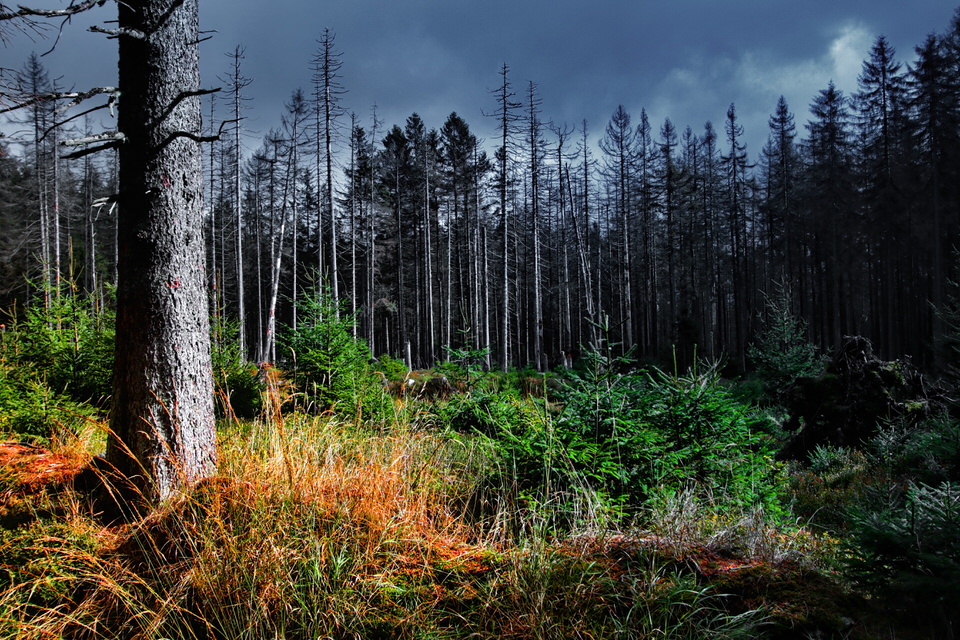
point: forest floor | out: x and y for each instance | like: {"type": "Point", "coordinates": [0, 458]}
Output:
{"type": "Point", "coordinates": [796, 601]}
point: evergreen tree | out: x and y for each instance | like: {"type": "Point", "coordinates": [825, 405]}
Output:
{"type": "Point", "coordinates": [831, 204]}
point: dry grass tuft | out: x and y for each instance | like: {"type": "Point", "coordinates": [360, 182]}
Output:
{"type": "Point", "coordinates": [314, 528]}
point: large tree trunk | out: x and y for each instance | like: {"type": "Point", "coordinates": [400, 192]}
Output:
{"type": "Point", "coordinates": [162, 424]}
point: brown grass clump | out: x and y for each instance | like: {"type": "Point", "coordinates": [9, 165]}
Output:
{"type": "Point", "coordinates": [319, 529]}
{"type": "Point", "coordinates": [28, 468]}
{"type": "Point", "coordinates": [314, 529]}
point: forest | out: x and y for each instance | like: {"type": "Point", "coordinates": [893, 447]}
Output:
{"type": "Point", "coordinates": [387, 380]}
{"type": "Point", "coordinates": [671, 235]}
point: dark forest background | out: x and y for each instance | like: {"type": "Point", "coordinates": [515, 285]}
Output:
{"type": "Point", "coordinates": [666, 239]}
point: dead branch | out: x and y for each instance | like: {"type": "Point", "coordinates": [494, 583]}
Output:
{"type": "Point", "coordinates": [27, 12]}
{"type": "Point", "coordinates": [114, 136]}
{"type": "Point", "coordinates": [196, 138]}
{"type": "Point", "coordinates": [86, 152]}
{"type": "Point", "coordinates": [116, 33]}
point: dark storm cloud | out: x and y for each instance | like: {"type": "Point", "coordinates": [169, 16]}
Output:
{"type": "Point", "coordinates": [686, 59]}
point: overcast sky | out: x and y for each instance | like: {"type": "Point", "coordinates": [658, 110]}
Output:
{"type": "Point", "coordinates": [682, 59]}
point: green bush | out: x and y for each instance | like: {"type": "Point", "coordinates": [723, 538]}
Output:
{"type": "Point", "coordinates": [488, 412]}
{"type": "Point", "coordinates": [55, 364]}
{"type": "Point", "coordinates": [466, 366]}
{"type": "Point", "coordinates": [781, 352]}
{"type": "Point", "coordinates": [905, 546]}
{"type": "Point", "coordinates": [691, 429]}
{"type": "Point", "coordinates": [69, 347]}
{"type": "Point", "coordinates": [928, 452]}
{"type": "Point", "coordinates": [238, 385]}
{"type": "Point", "coordinates": [30, 410]}
{"type": "Point", "coordinates": [392, 369]}
{"type": "Point", "coordinates": [629, 435]}
{"type": "Point", "coordinates": [331, 367]}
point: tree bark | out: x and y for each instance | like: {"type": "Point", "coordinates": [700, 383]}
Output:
{"type": "Point", "coordinates": [162, 424]}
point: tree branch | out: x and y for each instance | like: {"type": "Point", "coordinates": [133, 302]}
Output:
{"type": "Point", "coordinates": [109, 105]}
{"type": "Point", "coordinates": [195, 137]}
{"type": "Point", "coordinates": [115, 136]}
{"type": "Point", "coordinates": [86, 152]}
{"type": "Point", "coordinates": [77, 97]}
{"type": "Point", "coordinates": [183, 96]}
{"type": "Point", "coordinates": [116, 33]}
{"type": "Point", "coordinates": [74, 97]}
{"type": "Point", "coordinates": [26, 12]}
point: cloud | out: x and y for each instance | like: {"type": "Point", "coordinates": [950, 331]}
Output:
{"type": "Point", "coordinates": [847, 52]}
{"type": "Point", "coordinates": [760, 73]}
{"type": "Point", "coordinates": [702, 86]}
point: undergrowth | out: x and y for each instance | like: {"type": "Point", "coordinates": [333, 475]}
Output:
{"type": "Point", "coordinates": [610, 501]}
{"type": "Point", "coordinates": [316, 528]}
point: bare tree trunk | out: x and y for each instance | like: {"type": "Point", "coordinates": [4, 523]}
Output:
{"type": "Point", "coordinates": [428, 251]}
{"type": "Point", "coordinates": [55, 235]}
{"type": "Point", "coordinates": [353, 223]}
{"type": "Point", "coordinates": [448, 328]}
{"type": "Point", "coordinates": [237, 83]}
{"type": "Point", "coordinates": [276, 251]}
{"type": "Point", "coordinates": [90, 218]}
{"type": "Point", "coordinates": [258, 212]}
{"type": "Point", "coordinates": [38, 86]}
{"type": "Point", "coordinates": [486, 300]}
{"type": "Point", "coordinates": [505, 113]}
{"type": "Point", "coordinates": [327, 90]}
{"type": "Point", "coordinates": [214, 278]}
{"type": "Point", "coordinates": [162, 423]}
{"type": "Point", "coordinates": [371, 253]}
{"type": "Point", "coordinates": [534, 133]}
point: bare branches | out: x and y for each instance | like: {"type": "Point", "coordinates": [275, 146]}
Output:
{"type": "Point", "coordinates": [27, 19]}
{"type": "Point", "coordinates": [27, 12]}
{"type": "Point", "coordinates": [76, 97]}
{"type": "Point", "coordinates": [108, 105]}
{"type": "Point", "coordinates": [110, 140]}
{"type": "Point", "coordinates": [116, 33]}
{"type": "Point", "coordinates": [114, 136]}
{"type": "Point", "coordinates": [92, 150]}
{"type": "Point", "coordinates": [183, 96]}
{"type": "Point", "coordinates": [196, 138]}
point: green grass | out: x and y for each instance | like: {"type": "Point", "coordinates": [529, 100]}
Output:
{"type": "Point", "coordinates": [318, 527]}
{"type": "Point", "coordinates": [315, 528]}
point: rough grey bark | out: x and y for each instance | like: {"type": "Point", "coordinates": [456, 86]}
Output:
{"type": "Point", "coordinates": [162, 424]}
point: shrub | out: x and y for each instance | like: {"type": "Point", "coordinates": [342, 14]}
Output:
{"type": "Point", "coordinates": [624, 436]}
{"type": "Point", "coordinates": [906, 546]}
{"type": "Point", "coordinates": [929, 452]}
{"type": "Point", "coordinates": [781, 352]}
{"type": "Point", "coordinates": [69, 347]}
{"type": "Point", "coordinates": [466, 366]}
{"type": "Point", "coordinates": [29, 409]}
{"type": "Point", "coordinates": [392, 369]}
{"type": "Point", "coordinates": [488, 412]}
{"type": "Point", "coordinates": [239, 388]}
{"type": "Point", "coordinates": [330, 366]}
{"type": "Point", "coordinates": [657, 430]}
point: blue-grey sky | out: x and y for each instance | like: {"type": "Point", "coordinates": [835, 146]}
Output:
{"type": "Point", "coordinates": [682, 59]}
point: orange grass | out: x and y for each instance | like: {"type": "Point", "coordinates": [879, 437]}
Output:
{"type": "Point", "coordinates": [315, 528]}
